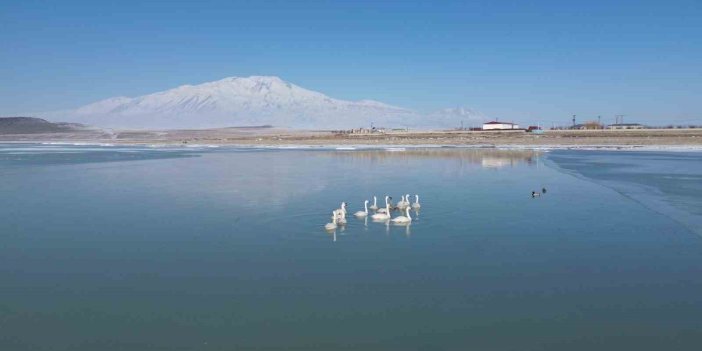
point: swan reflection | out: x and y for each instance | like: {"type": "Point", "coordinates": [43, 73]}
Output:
{"type": "Point", "coordinates": [387, 223]}
{"type": "Point", "coordinates": [407, 226]}
{"type": "Point", "coordinates": [333, 232]}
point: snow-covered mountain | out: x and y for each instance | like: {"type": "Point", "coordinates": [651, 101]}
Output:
{"type": "Point", "coordinates": [238, 101]}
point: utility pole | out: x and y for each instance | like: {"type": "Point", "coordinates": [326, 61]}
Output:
{"type": "Point", "coordinates": [573, 120]}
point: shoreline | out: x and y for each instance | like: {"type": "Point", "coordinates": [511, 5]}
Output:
{"type": "Point", "coordinates": [378, 147]}
{"type": "Point", "coordinates": [649, 140]}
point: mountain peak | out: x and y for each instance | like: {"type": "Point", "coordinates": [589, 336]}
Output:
{"type": "Point", "coordinates": [458, 110]}
{"type": "Point", "coordinates": [254, 78]}
{"type": "Point", "coordinates": [267, 80]}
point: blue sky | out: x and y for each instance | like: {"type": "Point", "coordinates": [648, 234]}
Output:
{"type": "Point", "coordinates": [526, 61]}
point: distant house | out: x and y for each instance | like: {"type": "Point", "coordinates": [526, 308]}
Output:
{"type": "Point", "coordinates": [591, 125]}
{"type": "Point", "coordinates": [626, 126]}
{"type": "Point", "coordinates": [495, 125]}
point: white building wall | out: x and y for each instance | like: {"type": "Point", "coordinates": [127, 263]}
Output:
{"type": "Point", "coordinates": [500, 126]}
{"type": "Point", "coordinates": [627, 127]}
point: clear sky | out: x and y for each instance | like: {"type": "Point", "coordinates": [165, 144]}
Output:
{"type": "Point", "coordinates": [515, 60]}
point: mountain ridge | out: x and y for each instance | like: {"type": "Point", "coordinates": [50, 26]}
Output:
{"type": "Point", "coordinates": [33, 125]}
{"type": "Point", "coordinates": [254, 100]}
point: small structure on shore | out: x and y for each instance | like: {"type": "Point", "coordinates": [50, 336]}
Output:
{"type": "Point", "coordinates": [495, 125]}
{"type": "Point", "coordinates": [589, 125]}
{"type": "Point", "coordinates": [373, 130]}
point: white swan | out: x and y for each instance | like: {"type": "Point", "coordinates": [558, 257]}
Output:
{"type": "Point", "coordinates": [342, 209]}
{"type": "Point", "coordinates": [382, 215]}
{"type": "Point", "coordinates": [404, 203]}
{"type": "Point", "coordinates": [364, 212]}
{"type": "Point", "coordinates": [340, 216]}
{"type": "Point", "coordinates": [388, 204]}
{"type": "Point", "coordinates": [401, 202]}
{"type": "Point", "coordinates": [416, 204]}
{"type": "Point", "coordinates": [403, 219]}
{"type": "Point", "coordinates": [332, 225]}
{"type": "Point", "coordinates": [374, 206]}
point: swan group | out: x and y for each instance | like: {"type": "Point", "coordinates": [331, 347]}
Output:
{"type": "Point", "coordinates": [378, 214]}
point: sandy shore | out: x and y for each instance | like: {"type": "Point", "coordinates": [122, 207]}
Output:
{"type": "Point", "coordinates": [281, 137]}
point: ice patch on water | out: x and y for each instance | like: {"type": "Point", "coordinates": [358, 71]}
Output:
{"type": "Point", "coordinates": [62, 143]}
{"type": "Point", "coordinates": [672, 148]}
{"type": "Point", "coordinates": [210, 146]}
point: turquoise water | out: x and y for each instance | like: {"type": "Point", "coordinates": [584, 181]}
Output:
{"type": "Point", "coordinates": [125, 248]}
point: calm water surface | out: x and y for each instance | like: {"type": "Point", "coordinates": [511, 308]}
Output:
{"type": "Point", "coordinates": [125, 248]}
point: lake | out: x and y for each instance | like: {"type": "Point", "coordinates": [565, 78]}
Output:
{"type": "Point", "coordinates": [201, 248]}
